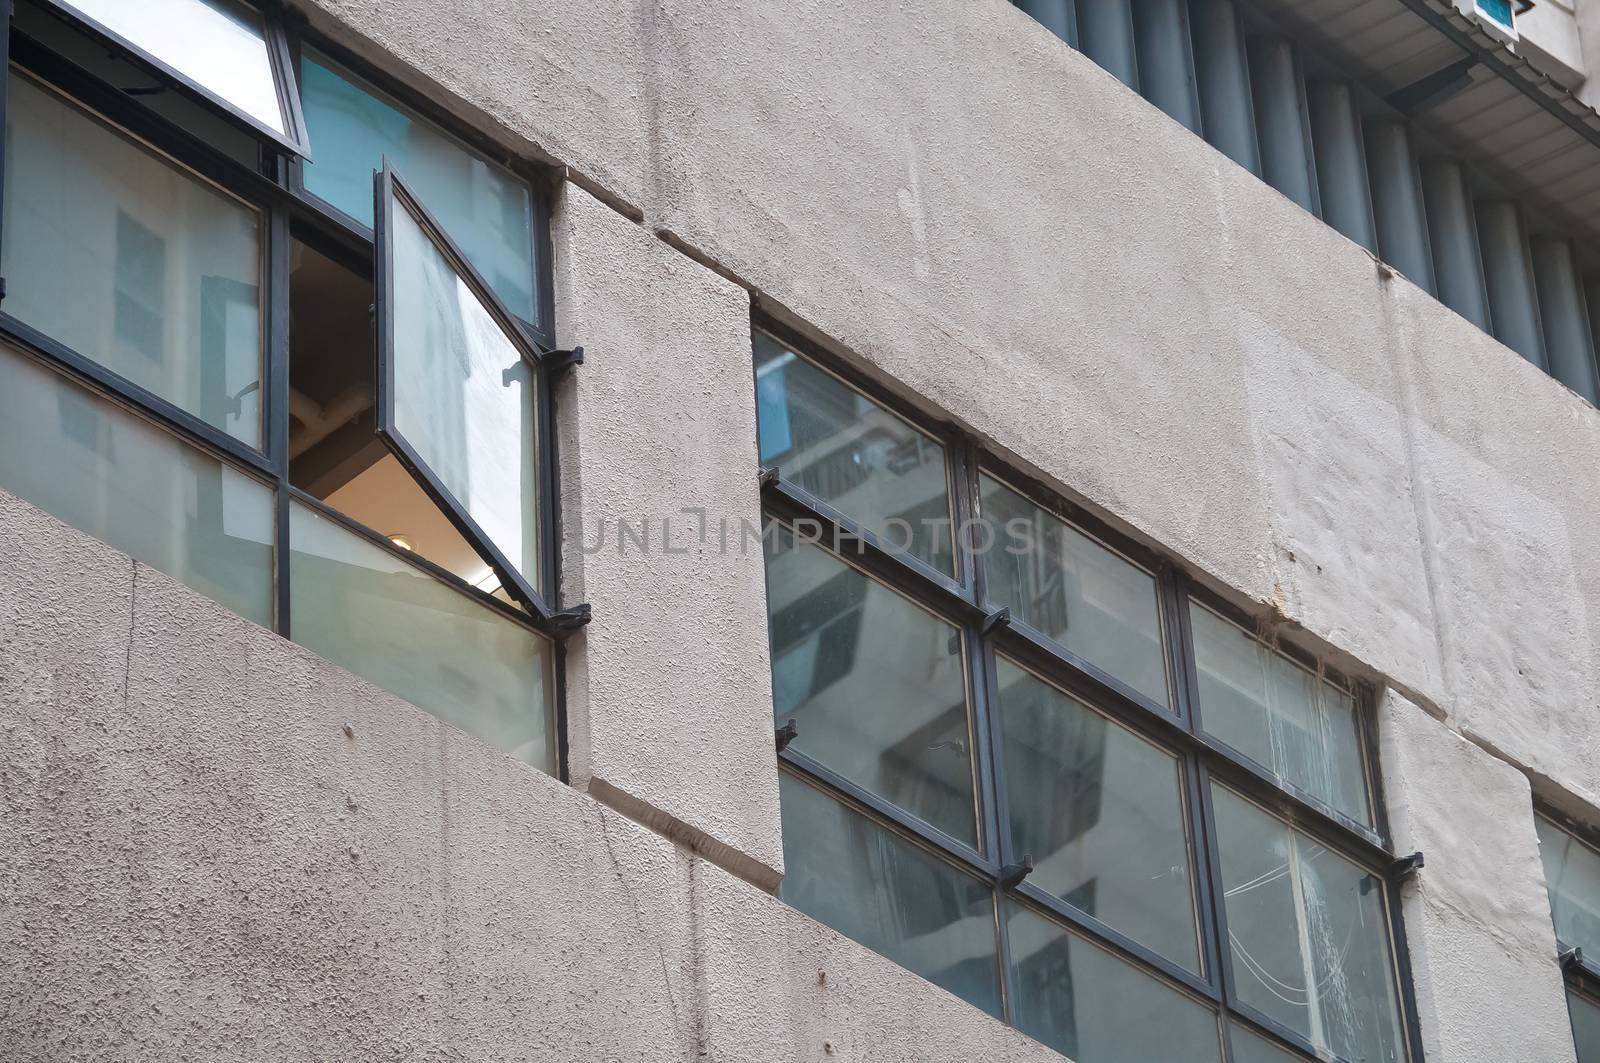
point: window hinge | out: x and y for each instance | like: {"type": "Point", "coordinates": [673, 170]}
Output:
{"type": "Point", "coordinates": [1404, 867]}
{"type": "Point", "coordinates": [1571, 959]}
{"type": "Point", "coordinates": [570, 619]}
{"type": "Point", "coordinates": [786, 734]}
{"type": "Point", "coordinates": [1011, 875]}
{"type": "Point", "coordinates": [767, 477]}
{"type": "Point", "coordinates": [999, 618]}
{"type": "Point", "coordinates": [560, 361]}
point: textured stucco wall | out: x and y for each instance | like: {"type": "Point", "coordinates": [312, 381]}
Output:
{"type": "Point", "coordinates": [963, 205]}
{"type": "Point", "coordinates": [951, 198]}
{"type": "Point", "coordinates": [669, 699]}
{"type": "Point", "coordinates": [1477, 916]}
{"type": "Point", "coordinates": [202, 862]}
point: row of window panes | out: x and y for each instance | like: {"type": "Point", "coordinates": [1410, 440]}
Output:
{"type": "Point", "coordinates": [1308, 932]}
{"type": "Point", "coordinates": [172, 506]}
{"type": "Point", "coordinates": [891, 478]}
{"type": "Point", "coordinates": [1572, 876]}
{"type": "Point", "coordinates": [880, 689]}
{"type": "Point", "coordinates": [168, 295]}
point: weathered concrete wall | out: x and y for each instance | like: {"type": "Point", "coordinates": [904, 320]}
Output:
{"type": "Point", "coordinates": [669, 697]}
{"type": "Point", "coordinates": [967, 207]}
{"type": "Point", "coordinates": [218, 846]}
{"type": "Point", "coordinates": [1477, 918]}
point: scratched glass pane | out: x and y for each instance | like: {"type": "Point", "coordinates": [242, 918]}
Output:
{"type": "Point", "coordinates": [1280, 715]}
{"type": "Point", "coordinates": [1308, 935]}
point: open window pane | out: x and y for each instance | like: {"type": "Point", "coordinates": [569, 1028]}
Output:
{"type": "Point", "coordinates": [1572, 875]}
{"type": "Point", "coordinates": [1093, 1007]}
{"type": "Point", "coordinates": [847, 872]}
{"type": "Point", "coordinates": [459, 393]}
{"type": "Point", "coordinates": [1101, 812]}
{"type": "Point", "coordinates": [853, 454]}
{"type": "Point", "coordinates": [128, 483]}
{"type": "Point", "coordinates": [486, 209]}
{"type": "Point", "coordinates": [1279, 714]}
{"type": "Point", "coordinates": [131, 261]}
{"type": "Point", "coordinates": [1308, 935]}
{"type": "Point", "coordinates": [1059, 581]}
{"type": "Point", "coordinates": [218, 46]}
{"type": "Point", "coordinates": [875, 684]}
{"type": "Point", "coordinates": [387, 621]}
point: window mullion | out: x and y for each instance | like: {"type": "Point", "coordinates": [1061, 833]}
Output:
{"type": "Point", "coordinates": [275, 409]}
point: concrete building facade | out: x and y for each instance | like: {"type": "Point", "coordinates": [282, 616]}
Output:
{"type": "Point", "coordinates": [275, 789]}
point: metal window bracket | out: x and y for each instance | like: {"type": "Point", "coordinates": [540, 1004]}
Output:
{"type": "Point", "coordinates": [1405, 866]}
{"type": "Point", "coordinates": [560, 361]}
{"type": "Point", "coordinates": [1571, 959]}
{"type": "Point", "coordinates": [786, 734]}
{"type": "Point", "coordinates": [767, 477]}
{"type": "Point", "coordinates": [1011, 875]}
{"type": "Point", "coordinates": [570, 619]}
{"type": "Point", "coordinates": [2, 289]}
{"type": "Point", "coordinates": [999, 618]}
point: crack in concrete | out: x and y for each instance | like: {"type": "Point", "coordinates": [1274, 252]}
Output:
{"type": "Point", "coordinates": [127, 656]}
{"type": "Point", "coordinates": [639, 924]}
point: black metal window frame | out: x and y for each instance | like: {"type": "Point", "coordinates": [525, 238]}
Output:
{"type": "Point", "coordinates": [274, 188]}
{"type": "Point", "coordinates": [1579, 970]}
{"type": "Point", "coordinates": [962, 601]}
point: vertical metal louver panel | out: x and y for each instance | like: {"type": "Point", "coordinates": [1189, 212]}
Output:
{"type": "Point", "coordinates": [1279, 90]}
{"type": "Point", "coordinates": [1341, 161]}
{"type": "Point", "coordinates": [1567, 342]}
{"type": "Point", "coordinates": [1222, 76]}
{"type": "Point", "coordinates": [1453, 232]}
{"type": "Point", "coordinates": [1508, 275]}
{"type": "Point", "coordinates": [1166, 62]}
{"type": "Point", "coordinates": [1105, 33]}
{"type": "Point", "coordinates": [1058, 16]}
{"type": "Point", "coordinates": [1397, 202]}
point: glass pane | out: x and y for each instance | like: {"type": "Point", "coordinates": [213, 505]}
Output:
{"type": "Point", "coordinates": [124, 481]}
{"type": "Point", "coordinates": [1279, 714]}
{"type": "Point", "coordinates": [1094, 1008]}
{"type": "Point", "coordinates": [1058, 580]}
{"type": "Point", "coordinates": [1101, 811]}
{"type": "Point", "coordinates": [1585, 1027]}
{"type": "Point", "coordinates": [1572, 875]}
{"type": "Point", "coordinates": [1250, 1047]}
{"type": "Point", "coordinates": [847, 872]}
{"type": "Point", "coordinates": [853, 454]}
{"type": "Point", "coordinates": [487, 211]}
{"type": "Point", "coordinates": [361, 607]}
{"type": "Point", "coordinates": [465, 399]}
{"type": "Point", "coordinates": [1308, 933]}
{"type": "Point", "coordinates": [217, 44]}
{"type": "Point", "coordinates": [875, 685]}
{"type": "Point", "coordinates": [165, 270]}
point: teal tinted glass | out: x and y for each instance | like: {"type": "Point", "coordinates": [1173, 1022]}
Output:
{"type": "Point", "coordinates": [486, 210]}
{"type": "Point", "coordinates": [1572, 875]}
{"type": "Point", "coordinates": [1308, 934]}
{"type": "Point", "coordinates": [1279, 714]}
{"type": "Point", "coordinates": [871, 465]}
{"type": "Point", "coordinates": [1585, 1027]}
{"type": "Point", "coordinates": [131, 261]}
{"type": "Point", "coordinates": [888, 894]}
{"type": "Point", "coordinates": [876, 685]}
{"type": "Point", "coordinates": [122, 480]}
{"type": "Point", "coordinates": [1101, 812]}
{"type": "Point", "coordinates": [1096, 603]}
{"type": "Point", "coordinates": [387, 621]}
{"type": "Point", "coordinates": [1093, 1007]}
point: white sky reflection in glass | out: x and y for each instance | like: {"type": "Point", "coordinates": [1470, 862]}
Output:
{"type": "Point", "coordinates": [464, 396]}
{"type": "Point", "coordinates": [217, 44]}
